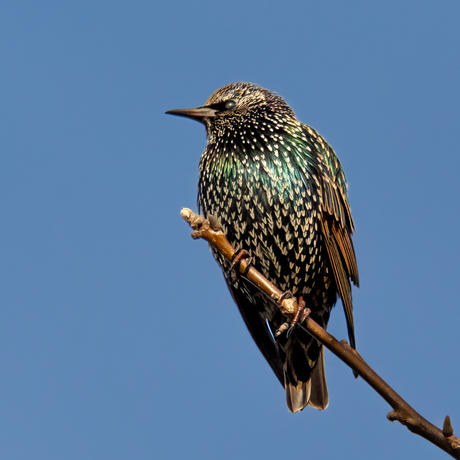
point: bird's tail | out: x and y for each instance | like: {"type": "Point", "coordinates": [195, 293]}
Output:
{"type": "Point", "coordinates": [313, 392]}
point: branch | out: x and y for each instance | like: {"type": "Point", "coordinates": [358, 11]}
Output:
{"type": "Point", "coordinates": [211, 231]}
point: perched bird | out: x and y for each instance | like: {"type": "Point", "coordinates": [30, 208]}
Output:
{"type": "Point", "coordinates": [280, 193]}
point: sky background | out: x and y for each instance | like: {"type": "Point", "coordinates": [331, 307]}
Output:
{"type": "Point", "coordinates": [118, 337]}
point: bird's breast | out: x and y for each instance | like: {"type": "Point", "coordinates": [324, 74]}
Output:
{"type": "Point", "coordinates": [267, 207]}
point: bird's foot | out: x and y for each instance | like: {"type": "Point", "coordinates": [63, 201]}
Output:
{"type": "Point", "coordinates": [285, 326]}
{"type": "Point", "coordinates": [232, 272]}
{"type": "Point", "coordinates": [301, 314]}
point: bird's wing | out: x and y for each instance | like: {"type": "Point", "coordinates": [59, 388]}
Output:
{"type": "Point", "coordinates": [337, 227]}
{"type": "Point", "coordinates": [257, 325]}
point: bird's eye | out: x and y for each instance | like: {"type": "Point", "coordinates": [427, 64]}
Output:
{"type": "Point", "coordinates": [223, 105]}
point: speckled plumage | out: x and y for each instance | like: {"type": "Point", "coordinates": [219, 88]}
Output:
{"type": "Point", "coordinates": [279, 192]}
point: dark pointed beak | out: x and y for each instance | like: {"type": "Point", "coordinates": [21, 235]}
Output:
{"type": "Point", "coordinates": [197, 114]}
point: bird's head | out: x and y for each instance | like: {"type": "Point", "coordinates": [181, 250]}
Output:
{"type": "Point", "coordinates": [237, 106]}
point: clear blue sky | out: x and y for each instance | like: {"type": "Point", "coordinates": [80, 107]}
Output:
{"type": "Point", "coordinates": [118, 338]}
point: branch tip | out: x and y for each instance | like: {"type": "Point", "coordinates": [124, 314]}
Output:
{"type": "Point", "coordinates": [447, 429]}
{"type": "Point", "coordinates": [198, 223]}
{"type": "Point", "coordinates": [185, 213]}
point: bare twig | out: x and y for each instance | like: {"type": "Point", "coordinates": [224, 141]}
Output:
{"type": "Point", "coordinates": [402, 412]}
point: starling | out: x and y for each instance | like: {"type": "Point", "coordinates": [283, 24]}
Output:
{"type": "Point", "coordinates": [280, 193]}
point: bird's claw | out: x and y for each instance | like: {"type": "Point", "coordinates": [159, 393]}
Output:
{"type": "Point", "coordinates": [238, 256]}
{"type": "Point", "coordinates": [301, 315]}
{"type": "Point", "coordinates": [283, 328]}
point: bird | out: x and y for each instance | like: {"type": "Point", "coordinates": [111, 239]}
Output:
{"type": "Point", "coordinates": [280, 193]}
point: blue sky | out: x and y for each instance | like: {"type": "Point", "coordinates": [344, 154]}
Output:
{"type": "Point", "coordinates": [118, 338]}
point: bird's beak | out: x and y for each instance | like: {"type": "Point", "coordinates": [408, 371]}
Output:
{"type": "Point", "coordinates": [197, 114]}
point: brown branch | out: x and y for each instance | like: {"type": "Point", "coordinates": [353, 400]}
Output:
{"type": "Point", "coordinates": [402, 412]}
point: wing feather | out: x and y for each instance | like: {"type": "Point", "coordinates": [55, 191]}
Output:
{"type": "Point", "coordinates": [337, 227]}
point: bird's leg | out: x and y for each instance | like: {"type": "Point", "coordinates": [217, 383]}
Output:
{"type": "Point", "coordinates": [237, 257]}
{"type": "Point", "coordinates": [301, 314]}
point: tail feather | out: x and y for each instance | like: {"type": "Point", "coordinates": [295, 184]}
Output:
{"type": "Point", "coordinates": [297, 397]}
{"type": "Point", "coordinates": [313, 392]}
{"type": "Point", "coordinates": [319, 398]}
